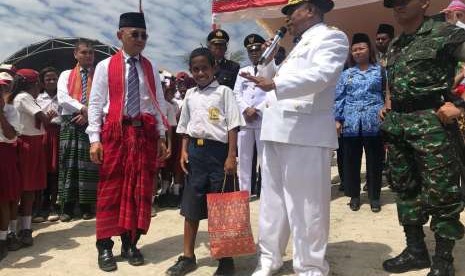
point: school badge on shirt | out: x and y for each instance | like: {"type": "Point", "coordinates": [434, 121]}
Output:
{"type": "Point", "coordinates": [213, 114]}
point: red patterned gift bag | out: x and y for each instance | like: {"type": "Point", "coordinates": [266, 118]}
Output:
{"type": "Point", "coordinates": [229, 224]}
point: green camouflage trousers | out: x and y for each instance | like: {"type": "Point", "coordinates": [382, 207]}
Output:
{"type": "Point", "coordinates": [425, 171]}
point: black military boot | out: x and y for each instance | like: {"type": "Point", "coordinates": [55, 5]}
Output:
{"type": "Point", "coordinates": [130, 251]}
{"type": "Point", "coordinates": [443, 262]}
{"type": "Point", "coordinates": [414, 257]}
{"type": "Point", "coordinates": [106, 260]}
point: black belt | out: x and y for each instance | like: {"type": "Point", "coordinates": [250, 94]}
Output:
{"type": "Point", "coordinates": [133, 122]}
{"type": "Point", "coordinates": [412, 105]}
{"type": "Point", "coordinates": [199, 142]}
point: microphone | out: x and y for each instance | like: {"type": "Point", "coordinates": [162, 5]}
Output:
{"type": "Point", "coordinates": [279, 35]}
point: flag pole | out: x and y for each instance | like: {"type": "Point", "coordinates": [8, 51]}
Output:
{"type": "Point", "coordinates": [140, 6]}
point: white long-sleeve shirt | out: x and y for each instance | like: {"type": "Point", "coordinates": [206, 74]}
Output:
{"type": "Point", "coordinates": [99, 102]}
{"type": "Point", "coordinates": [68, 105]}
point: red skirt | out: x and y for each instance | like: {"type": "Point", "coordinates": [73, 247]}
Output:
{"type": "Point", "coordinates": [10, 182]}
{"type": "Point", "coordinates": [32, 166]}
{"type": "Point", "coordinates": [52, 145]}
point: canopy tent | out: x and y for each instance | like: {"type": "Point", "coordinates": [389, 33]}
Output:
{"type": "Point", "coordinates": [351, 16]}
{"type": "Point", "coordinates": [56, 52]}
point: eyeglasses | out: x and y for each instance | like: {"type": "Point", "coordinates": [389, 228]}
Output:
{"type": "Point", "coordinates": [139, 35]}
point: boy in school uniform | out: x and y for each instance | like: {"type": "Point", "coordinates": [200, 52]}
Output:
{"type": "Point", "coordinates": [209, 123]}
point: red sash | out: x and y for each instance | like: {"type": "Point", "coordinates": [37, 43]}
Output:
{"type": "Point", "coordinates": [116, 83]}
{"type": "Point", "coordinates": [75, 83]}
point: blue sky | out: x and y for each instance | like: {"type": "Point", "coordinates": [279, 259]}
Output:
{"type": "Point", "coordinates": [175, 27]}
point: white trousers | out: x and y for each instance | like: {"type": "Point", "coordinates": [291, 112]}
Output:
{"type": "Point", "coordinates": [295, 199]}
{"type": "Point", "coordinates": [246, 139]}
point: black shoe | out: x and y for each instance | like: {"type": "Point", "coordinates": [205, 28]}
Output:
{"type": "Point", "coordinates": [174, 200]}
{"type": "Point", "coordinates": [65, 218]}
{"type": "Point", "coordinates": [106, 260]}
{"type": "Point", "coordinates": [133, 255]}
{"type": "Point", "coordinates": [13, 243]}
{"type": "Point", "coordinates": [375, 206]}
{"type": "Point", "coordinates": [3, 249]}
{"type": "Point", "coordinates": [183, 266]}
{"type": "Point", "coordinates": [354, 204]}
{"type": "Point", "coordinates": [163, 201]}
{"type": "Point", "coordinates": [25, 237]}
{"type": "Point", "coordinates": [87, 216]}
{"type": "Point", "coordinates": [365, 188]}
{"type": "Point", "coordinates": [225, 267]}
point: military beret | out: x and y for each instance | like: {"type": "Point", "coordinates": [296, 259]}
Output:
{"type": "Point", "coordinates": [218, 36]}
{"type": "Point", "coordinates": [324, 5]}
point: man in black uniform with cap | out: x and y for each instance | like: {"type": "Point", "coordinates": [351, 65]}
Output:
{"type": "Point", "coordinates": [384, 36]}
{"type": "Point", "coordinates": [227, 69]}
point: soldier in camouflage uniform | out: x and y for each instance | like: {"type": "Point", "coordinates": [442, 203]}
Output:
{"type": "Point", "coordinates": [424, 164]}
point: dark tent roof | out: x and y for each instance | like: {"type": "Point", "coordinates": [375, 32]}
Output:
{"type": "Point", "coordinates": [56, 52]}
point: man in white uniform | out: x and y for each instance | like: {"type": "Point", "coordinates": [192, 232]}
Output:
{"type": "Point", "coordinates": [249, 97]}
{"type": "Point", "coordinates": [298, 137]}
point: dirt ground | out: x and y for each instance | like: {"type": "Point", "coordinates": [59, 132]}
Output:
{"type": "Point", "coordinates": [359, 242]}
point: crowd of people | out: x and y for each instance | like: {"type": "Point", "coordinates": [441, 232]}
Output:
{"type": "Point", "coordinates": [115, 140]}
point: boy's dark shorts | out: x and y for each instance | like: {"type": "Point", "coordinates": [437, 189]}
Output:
{"type": "Point", "coordinates": [206, 175]}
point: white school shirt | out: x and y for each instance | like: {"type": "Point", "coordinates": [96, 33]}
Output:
{"type": "Point", "coordinates": [12, 116]}
{"type": "Point", "coordinates": [27, 107]}
{"type": "Point", "coordinates": [210, 113]}
{"type": "Point", "coordinates": [48, 103]}
{"type": "Point", "coordinates": [99, 102]}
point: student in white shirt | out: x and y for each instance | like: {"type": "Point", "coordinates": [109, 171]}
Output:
{"type": "Point", "coordinates": [48, 101]}
{"type": "Point", "coordinates": [209, 122]}
{"type": "Point", "coordinates": [32, 166]}
{"type": "Point", "coordinates": [10, 182]}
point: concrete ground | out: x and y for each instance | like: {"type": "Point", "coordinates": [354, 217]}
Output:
{"type": "Point", "coordinates": [359, 242]}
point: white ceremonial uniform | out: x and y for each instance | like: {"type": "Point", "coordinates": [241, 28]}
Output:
{"type": "Point", "coordinates": [99, 102]}
{"type": "Point", "coordinates": [298, 136]}
{"type": "Point", "coordinates": [248, 95]}
{"type": "Point", "coordinates": [209, 113]}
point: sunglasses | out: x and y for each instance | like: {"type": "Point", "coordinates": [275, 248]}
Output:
{"type": "Point", "coordinates": [139, 35]}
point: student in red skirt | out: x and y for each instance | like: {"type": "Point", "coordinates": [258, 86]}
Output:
{"type": "Point", "coordinates": [10, 186]}
{"type": "Point", "coordinates": [31, 152]}
{"type": "Point", "coordinates": [48, 101]}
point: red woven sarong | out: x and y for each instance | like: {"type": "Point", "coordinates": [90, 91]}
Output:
{"type": "Point", "coordinates": [10, 183]}
{"type": "Point", "coordinates": [32, 166]}
{"type": "Point", "coordinates": [52, 144]}
{"type": "Point", "coordinates": [124, 195]}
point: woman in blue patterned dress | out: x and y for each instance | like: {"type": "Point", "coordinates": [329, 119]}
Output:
{"type": "Point", "coordinates": [359, 98]}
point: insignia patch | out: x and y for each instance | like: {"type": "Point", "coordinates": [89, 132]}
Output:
{"type": "Point", "coordinates": [213, 114]}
